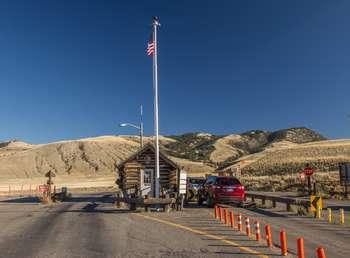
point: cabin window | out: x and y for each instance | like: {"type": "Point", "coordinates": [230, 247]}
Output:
{"type": "Point", "coordinates": [147, 177]}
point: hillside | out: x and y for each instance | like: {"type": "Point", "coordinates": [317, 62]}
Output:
{"type": "Point", "coordinates": [224, 150]}
{"type": "Point", "coordinates": [263, 152]}
{"type": "Point", "coordinates": [86, 157]}
{"type": "Point", "coordinates": [286, 158]}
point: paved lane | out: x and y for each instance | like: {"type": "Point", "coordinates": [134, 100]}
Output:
{"type": "Point", "coordinates": [334, 238]}
{"type": "Point", "coordinates": [90, 226]}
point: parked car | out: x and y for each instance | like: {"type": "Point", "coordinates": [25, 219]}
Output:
{"type": "Point", "coordinates": [221, 189]}
{"type": "Point", "coordinates": [193, 184]}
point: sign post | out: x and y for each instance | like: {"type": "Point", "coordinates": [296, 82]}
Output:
{"type": "Point", "coordinates": [49, 184]}
{"type": "Point", "coordinates": [182, 187]}
{"type": "Point", "coordinates": [344, 176]}
{"type": "Point", "coordinates": [308, 173]}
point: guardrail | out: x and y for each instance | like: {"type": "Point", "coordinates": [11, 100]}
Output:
{"type": "Point", "coordinates": [276, 199]}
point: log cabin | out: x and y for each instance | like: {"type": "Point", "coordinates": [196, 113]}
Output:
{"type": "Point", "coordinates": [138, 172]}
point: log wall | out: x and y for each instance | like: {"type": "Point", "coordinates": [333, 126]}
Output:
{"type": "Point", "coordinates": [146, 160]}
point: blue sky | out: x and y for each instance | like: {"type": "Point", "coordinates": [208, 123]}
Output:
{"type": "Point", "coordinates": [72, 69]}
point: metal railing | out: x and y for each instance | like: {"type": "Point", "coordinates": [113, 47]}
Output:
{"type": "Point", "coordinates": [288, 201]}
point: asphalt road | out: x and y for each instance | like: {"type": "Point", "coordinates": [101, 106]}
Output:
{"type": "Point", "coordinates": [90, 226]}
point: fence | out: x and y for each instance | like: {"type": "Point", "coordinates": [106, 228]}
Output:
{"type": "Point", "coordinates": [20, 190]}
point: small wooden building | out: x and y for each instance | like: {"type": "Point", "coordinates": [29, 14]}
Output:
{"type": "Point", "coordinates": [138, 172]}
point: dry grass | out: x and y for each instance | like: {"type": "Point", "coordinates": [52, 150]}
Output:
{"type": "Point", "coordinates": [89, 157]}
{"type": "Point", "coordinates": [224, 149]}
{"type": "Point", "coordinates": [194, 168]}
{"type": "Point", "coordinates": [80, 161]}
{"type": "Point", "coordinates": [323, 156]}
{"type": "Point", "coordinates": [327, 183]}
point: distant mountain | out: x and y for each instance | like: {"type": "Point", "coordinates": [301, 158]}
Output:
{"type": "Point", "coordinates": [296, 135]}
{"type": "Point", "coordinates": [223, 150]}
{"type": "Point", "coordinates": [198, 152]}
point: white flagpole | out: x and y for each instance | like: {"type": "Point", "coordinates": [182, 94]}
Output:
{"type": "Point", "coordinates": [155, 24]}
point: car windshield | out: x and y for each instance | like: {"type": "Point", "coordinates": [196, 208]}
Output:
{"type": "Point", "coordinates": [227, 181]}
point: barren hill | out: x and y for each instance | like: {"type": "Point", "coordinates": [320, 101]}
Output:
{"type": "Point", "coordinates": [264, 152]}
{"type": "Point", "coordinates": [86, 157]}
{"type": "Point", "coordinates": [286, 158]}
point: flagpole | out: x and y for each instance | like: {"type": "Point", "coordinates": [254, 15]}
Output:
{"type": "Point", "coordinates": [155, 24]}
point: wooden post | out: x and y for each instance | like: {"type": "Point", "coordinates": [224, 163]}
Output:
{"type": "Point", "coordinates": [274, 204]}
{"type": "Point", "coordinates": [309, 185]}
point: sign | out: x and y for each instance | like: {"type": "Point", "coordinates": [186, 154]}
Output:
{"type": "Point", "coordinates": [183, 182]}
{"type": "Point", "coordinates": [315, 203]}
{"type": "Point", "coordinates": [308, 171]}
{"type": "Point", "coordinates": [43, 188]}
{"type": "Point", "coordinates": [344, 173]}
{"type": "Point", "coordinates": [302, 176]}
{"type": "Point", "coordinates": [190, 195]}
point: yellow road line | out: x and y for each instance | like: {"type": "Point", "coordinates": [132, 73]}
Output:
{"type": "Point", "coordinates": [203, 233]}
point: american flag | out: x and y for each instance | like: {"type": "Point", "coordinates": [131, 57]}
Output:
{"type": "Point", "coordinates": [150, 48]}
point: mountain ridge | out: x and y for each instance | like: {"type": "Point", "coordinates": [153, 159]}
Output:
{"type": "Point", "coordinates": [198, 152]}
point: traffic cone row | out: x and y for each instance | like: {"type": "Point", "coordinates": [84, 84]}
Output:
{"type": "Point", "coordinates": [229, 219]}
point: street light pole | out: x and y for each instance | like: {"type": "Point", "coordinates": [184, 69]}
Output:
{"type": "Point", "coordinates": [138, 127]}
{"type": "Point", "coordinates": [141, 127]}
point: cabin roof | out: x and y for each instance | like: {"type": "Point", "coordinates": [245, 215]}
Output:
{"type": "Point", "coordinates": [148, 146]}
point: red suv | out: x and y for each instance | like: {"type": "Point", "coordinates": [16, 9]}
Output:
{"type": "Point", "coordinates": [221, 189]}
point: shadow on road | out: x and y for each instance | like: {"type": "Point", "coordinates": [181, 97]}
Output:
{"type": "Point", "coordinates": [22, 200]}
{"type": "Point", "coordinates": [337, 207]}
{"type": "Point", "coordinates": [195, 205]}
{"type": "Point", "coordinates": [267, 213]}
{"type": "Point", "coordinates": [107, 198]}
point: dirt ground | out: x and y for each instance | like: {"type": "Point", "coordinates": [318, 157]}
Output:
{"type": "Point", "coordinates": [30, 185]}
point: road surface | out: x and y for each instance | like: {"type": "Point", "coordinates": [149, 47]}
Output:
{"type": "Point", "coordinates": [91, 226]}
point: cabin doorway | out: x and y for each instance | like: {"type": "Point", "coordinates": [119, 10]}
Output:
{"type": "Point", "coordinates": [147, 182]}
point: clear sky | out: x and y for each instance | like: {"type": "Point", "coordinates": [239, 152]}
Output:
{"type": "Point", "coordinates": [72, 69]}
